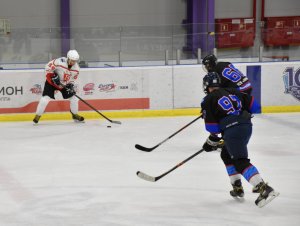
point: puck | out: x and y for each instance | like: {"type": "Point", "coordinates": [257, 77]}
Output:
{"type": "Point", "coordinates": [108, 126]}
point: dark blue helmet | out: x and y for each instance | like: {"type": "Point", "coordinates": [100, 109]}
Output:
{"type": "Point", "coordinates": [212, 79]}
{"type": "Point", "coordinates": [209, 62]}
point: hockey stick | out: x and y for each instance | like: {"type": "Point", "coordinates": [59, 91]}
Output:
{"type": "Point", "coordinates": [147, 177]}
{"type": "Point", "coordinates": [112, 121]}
{"type": "Point", "coordinates": [142, 148]}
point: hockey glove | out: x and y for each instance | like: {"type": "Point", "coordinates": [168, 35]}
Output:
{"type": "Point", "coordinates": [55, 79]}
{"type": "Point", "coordinates": [70, 89]}
{"type": "Point", "coordinates": [212, 143]}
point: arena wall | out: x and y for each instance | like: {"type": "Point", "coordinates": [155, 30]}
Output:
{"type": "Point", "coordinates": [146, 91]}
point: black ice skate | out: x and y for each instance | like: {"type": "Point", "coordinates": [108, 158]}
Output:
{"type": "Point", "coordinates": [255, 189]}
{"type": "Point", "coordinates": [267, 194]}
{"type": "Point", "coordinates": [238, 191]}
{"type": "Point", "coordinates": [77, 118]}
{"type": "Point", "coordinates": [36, 119]}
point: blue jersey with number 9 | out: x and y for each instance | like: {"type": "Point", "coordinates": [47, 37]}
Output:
{"type": "Point", "coordinates": [224, 102]}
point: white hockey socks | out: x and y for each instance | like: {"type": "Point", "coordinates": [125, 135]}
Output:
{"type": "Point", "coordinates": [234, 178]}
{"type": "Point", "coordinates": [255, 180]}
{"type": "Point", "coordinates": [74, 104]}
{"type": "Point", "coordinates": [42, 105]}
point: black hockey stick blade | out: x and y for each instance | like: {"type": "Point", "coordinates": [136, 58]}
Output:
{"type": "Point", "coordinates": [112, 121]}
{"type": "Point", "coordinates": [146, 177]}
{"type": "Point", "coordinates": [142, 148]}
{"type": "Point", "coordinates": [116, 122]}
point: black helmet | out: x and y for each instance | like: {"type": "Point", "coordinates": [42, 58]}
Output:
{"type": "Point", "coordinates": [212, 79]}
{"type": "Point", "coordinates": [209, 62]}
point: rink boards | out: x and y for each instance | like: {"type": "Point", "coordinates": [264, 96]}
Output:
{"type": "Point", "coordinates": [145, 91]}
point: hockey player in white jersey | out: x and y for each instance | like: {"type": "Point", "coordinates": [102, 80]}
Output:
{"type": "Point", "coordinates": [61, 73]}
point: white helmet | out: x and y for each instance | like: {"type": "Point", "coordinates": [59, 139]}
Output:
{"type": "Point", "coordinates": [73, 55]}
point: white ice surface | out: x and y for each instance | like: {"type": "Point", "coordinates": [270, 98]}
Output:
{"type": "Point", "coordinates": [60, 173]}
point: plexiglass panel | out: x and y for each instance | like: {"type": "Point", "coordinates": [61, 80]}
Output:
{"type": "Point", "coordinates": [151, 45]}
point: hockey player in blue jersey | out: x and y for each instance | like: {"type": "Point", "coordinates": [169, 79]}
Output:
{"type": "Point", "coordinates": [227, 111]}
{"type": "Point", "coordinates": [229, 75]}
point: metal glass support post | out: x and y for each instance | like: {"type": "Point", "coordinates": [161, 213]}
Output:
{"type": "Point", "coordinates": [261, 50]}
{"type": "Point", "coordinates": [120, 59]}
{"type": "Point", "coordinates": [199, 56]}
{"type": "Point", "coordinates": [167, 57]}
{"type": "Point", "coordinates": [178, 56]}
{"type": "Point", "coordinates": [215, 52]}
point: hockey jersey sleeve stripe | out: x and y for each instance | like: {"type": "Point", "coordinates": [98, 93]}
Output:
{"type": "Point", "coordinates": [49, 80]}
{"type": "Point", "coordinates": [245, 86]}
{"type": "Point", "coordinates": [212, 127]}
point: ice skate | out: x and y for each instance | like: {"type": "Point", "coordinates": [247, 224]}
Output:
{"type": "Point", "coordinates": [77, 118]}
{"type": "Point", "coordinates": [238, 191]}
{"type": "Point", "coordinates": [267, 194]}
{"type": "Point", "coordinates": [36, 119]}
{"type": "Point", "coordinates": [255, 189]}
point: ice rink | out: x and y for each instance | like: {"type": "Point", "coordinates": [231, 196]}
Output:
{"type": "Point", "coordinates": [61, 173]}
